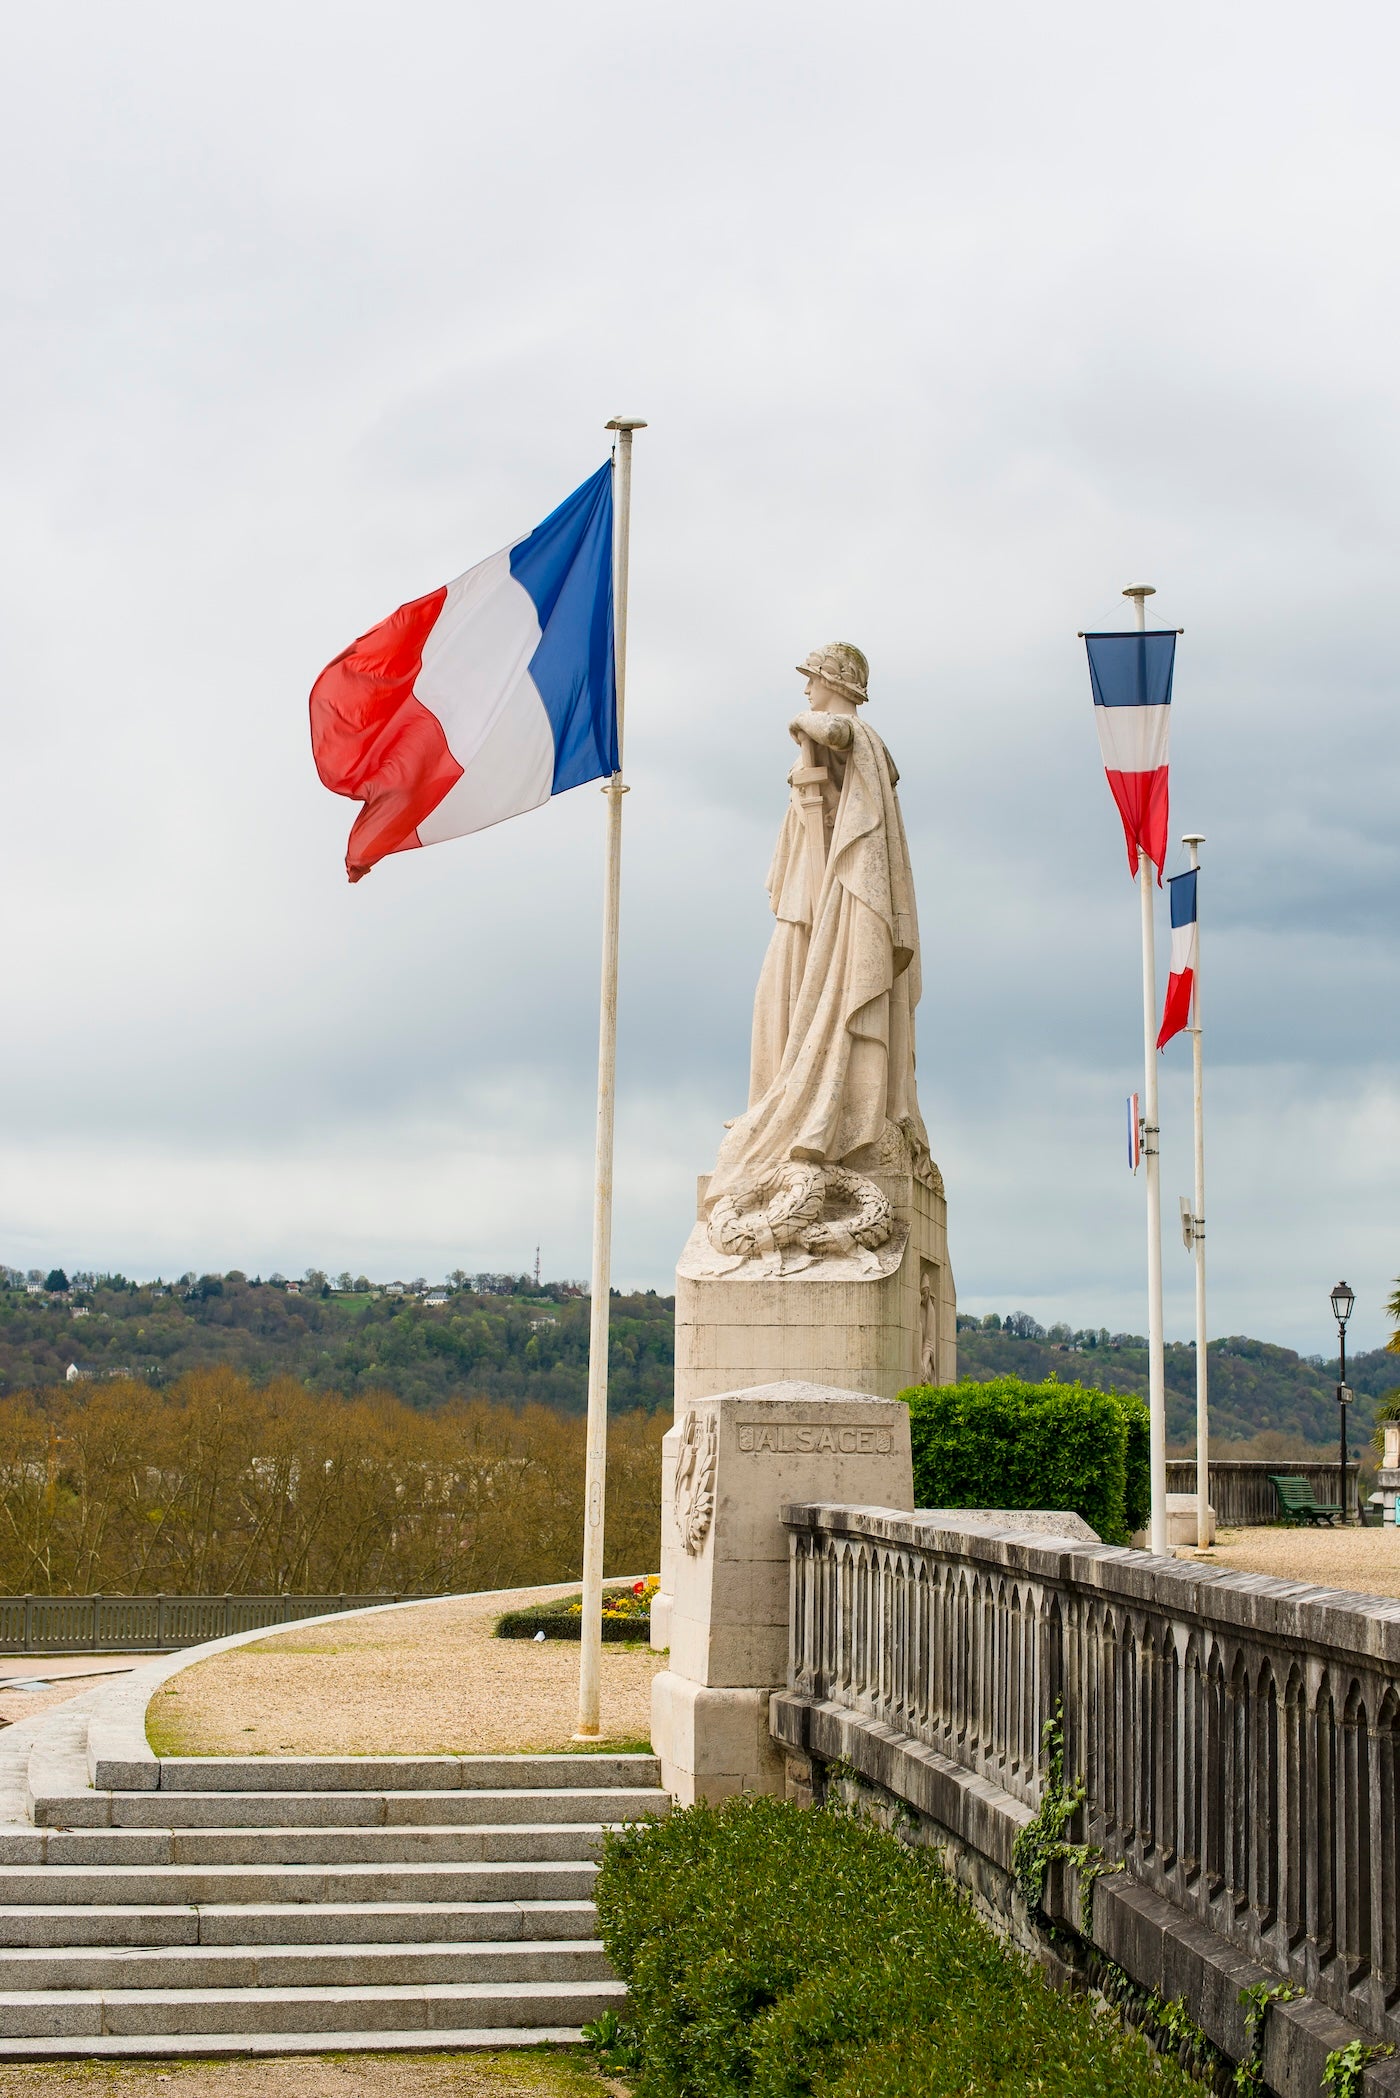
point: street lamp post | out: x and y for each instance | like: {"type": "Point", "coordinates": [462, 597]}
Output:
{"type": "Point", "coordinates": [1343, 1298]}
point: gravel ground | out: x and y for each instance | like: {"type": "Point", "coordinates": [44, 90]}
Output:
{"type": "Point", "coordinates": [1367, 1561]}
{"type": "Point", "coordinates": [421, 1681]}
{"type": "Point", "coordinates": [524, 2075]}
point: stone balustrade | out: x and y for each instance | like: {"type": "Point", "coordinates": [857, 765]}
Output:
{"type": "Point", "coordinates": [1238, 1737]}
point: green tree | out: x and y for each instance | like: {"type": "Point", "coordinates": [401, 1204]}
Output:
{"type": "Point", "coordinates": [55, 1279]}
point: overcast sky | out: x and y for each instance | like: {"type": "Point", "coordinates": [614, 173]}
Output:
{"type": "Point", "coordinates": [948, 323]}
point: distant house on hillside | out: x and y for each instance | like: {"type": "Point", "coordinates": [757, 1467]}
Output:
{"type": "Point", "coordinates": [435, 1296]}
{"type": "Point", "coordinates": [535, 1324]}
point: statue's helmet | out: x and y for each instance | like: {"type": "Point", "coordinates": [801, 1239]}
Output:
{"type": "Point", "coordinates": [840, 666]}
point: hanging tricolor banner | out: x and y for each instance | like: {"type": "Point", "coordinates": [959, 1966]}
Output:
{"type": "Point", "coordinates": [1181, 984]}
{"type": "Point", "coordinates": [482, 699]}
{"type": "Point", "coordinates": [1134, 1133]}
{"type": "Point", "coordinates": [1132, 679]}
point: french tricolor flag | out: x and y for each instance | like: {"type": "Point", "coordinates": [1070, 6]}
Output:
{"type": "Point", "coordinates": [1181, 984]}
{"type": "Point", "coordinates": [1132, 679]}
{"type": "Point", "coordinates": [482, 699]}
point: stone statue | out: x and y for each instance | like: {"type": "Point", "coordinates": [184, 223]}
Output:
{"type": "Point", "coordinates": [831, 1085]}
{"type": "Point", "coordinates": [819, 1254]}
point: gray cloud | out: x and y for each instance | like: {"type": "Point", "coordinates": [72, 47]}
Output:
{"type": "Point", "coordinates": [947, 325]}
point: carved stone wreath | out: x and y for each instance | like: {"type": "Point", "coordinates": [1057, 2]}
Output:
{"type": "Point", "coordinates": [693, 1497]}
{"type": "Point", "coordinates": [821, 1209]}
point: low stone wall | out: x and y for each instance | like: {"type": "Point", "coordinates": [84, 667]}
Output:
{"type": "Point", "coordinates": [1238, 1739]}
{"type": "Point", "coordinates": [1240, 1492]}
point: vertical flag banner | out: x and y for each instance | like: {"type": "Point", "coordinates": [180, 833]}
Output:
{"type": "Point", "coordinates": [1181, 984]}
{"type": "Point", "coordinates": [1132, 679]}
{"type": "Point", "coordinates": [483, 699]}
{"type": "Point", "coordinates": [1134, 1133]}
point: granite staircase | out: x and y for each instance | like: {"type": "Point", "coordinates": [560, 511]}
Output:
{"type": "Point", "coordinates": [264, 1905]}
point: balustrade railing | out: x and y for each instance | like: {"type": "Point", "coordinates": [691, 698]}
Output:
{"type": "Point", "coordinates": [125, 1624]}
{"type": "Point", "coordinates": [1239, 1737]}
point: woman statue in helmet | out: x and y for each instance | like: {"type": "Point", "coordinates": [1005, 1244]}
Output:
{"type": "Point", "coordinates": [833, 1027]}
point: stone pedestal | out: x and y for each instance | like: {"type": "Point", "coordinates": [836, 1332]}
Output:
{"type": "Point", "coordinates": [869, 1322]}
{"type": "Point", "coordinates": [729, 1464]}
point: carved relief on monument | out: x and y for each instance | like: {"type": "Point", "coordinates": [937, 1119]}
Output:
{"type": "Point", "coordinates": [929, 1291]}
{"type": "Point", "coordinates": [693, 1498]}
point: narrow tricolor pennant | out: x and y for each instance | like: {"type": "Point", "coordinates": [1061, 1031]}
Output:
{"type": "Point", "coordinates": [1134, 1133]}
{"type": "Point", "coordinates": [482, 699]}
{"type": "Point", "coordinates": [1181, 984]}
{"type": "Point", "coordinates": [1132, 679]}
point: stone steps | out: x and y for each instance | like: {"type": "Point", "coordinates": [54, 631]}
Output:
{"type": "Point", "coordinates": [311, 1966]}
{"type": "Point", "coordinates": [429, 2007]}
{"type": "Point", "coordinates": [275, 1905]}
{"type": "Point", "coordinates": [402, 1773]}
{"type": "Point", "coordinates": [295, 1923]}
{"type": "Point", "coordinates": [122, 1849]}
{"type": "Point", "coordinates": [269, 1810]}
{"type": "Point", "coordinates": [224, 2046]}
{"type": "Point", "coordinates": [160, 1885]}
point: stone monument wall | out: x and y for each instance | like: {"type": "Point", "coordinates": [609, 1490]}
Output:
{"type": "Point", "coordinates": [731, 1462]}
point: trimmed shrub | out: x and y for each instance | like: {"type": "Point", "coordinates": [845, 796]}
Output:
{"type": "Point", "coordinates": [772, 1951]}
{"type": "Point", "coordinates": [1009, 1444]}
{"type": "Point", "coordinates": [1137, 1489]}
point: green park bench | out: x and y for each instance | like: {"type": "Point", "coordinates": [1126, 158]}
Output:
{"type": "Point", "coordinates": [1296, 1504]}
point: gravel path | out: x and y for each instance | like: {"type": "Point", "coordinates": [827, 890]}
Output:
{"type": "Point", "coordinates": [68, 1675]}
{"type": "Point", "coordinates": [1367, 1561]}
{"type": "Point", "coordinates": [422, 1681]}
{"type": "Point", "coordinates": [528, 2074]}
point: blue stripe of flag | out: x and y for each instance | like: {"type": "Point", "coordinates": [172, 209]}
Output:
{"type": "Point", "coordinates": [566, 565]}
{"type": "Point", "coordinates": [1183, 897]}
{"type": "Point", "coordinates": [1131, 670]}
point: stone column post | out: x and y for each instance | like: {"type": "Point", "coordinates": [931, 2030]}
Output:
{"type": "Point", "coordinates": [729, 1464]}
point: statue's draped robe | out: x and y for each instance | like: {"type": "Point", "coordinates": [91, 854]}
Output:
{"type": "Point", "coordinates": [833, 1028]}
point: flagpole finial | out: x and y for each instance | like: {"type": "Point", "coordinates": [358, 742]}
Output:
{"type": "Point", "coordinates": [625, 422]}
{"type": "Point", "coordinates": [1193, 837]}
{"type": "Point", "coordinates": [1141, 590]}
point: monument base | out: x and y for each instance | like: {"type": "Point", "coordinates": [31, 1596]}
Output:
{"type": "Point", "coordinates": [868, 1321]}
{"type": "Point", "coordinates": [712, 1743]}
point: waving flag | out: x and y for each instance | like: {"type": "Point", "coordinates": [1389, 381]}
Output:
{"type": "Point", "coordinates": [1181, 984]}
{"type": "Point", "coordinates": [1132, 680]}
{"type": "Point", "coordinates": [482, 699]}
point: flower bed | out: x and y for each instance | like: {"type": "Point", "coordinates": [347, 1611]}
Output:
{"type": "Point", "coordinates": [626, 1615]}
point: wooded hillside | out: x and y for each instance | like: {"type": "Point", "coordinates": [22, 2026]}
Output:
{"type": "Point", "coordinates": [516, 1346]}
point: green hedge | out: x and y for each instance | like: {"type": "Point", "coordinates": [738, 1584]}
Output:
{"type": "Point", "coordinates": [771, 1952]}
{"type": "Point", "coordinates": [1009, 1444]}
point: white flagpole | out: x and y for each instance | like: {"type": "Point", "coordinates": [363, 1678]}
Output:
{"type": "Point", "coordinates": [1193, 841]}
{"type": "Point", "coordinates": [1156, 1366]}
{"type": "Point", "coordinates": [590, 1652]}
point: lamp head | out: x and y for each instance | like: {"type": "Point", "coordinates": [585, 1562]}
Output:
{"type": "Point", "coordinates": [1343, 1298]}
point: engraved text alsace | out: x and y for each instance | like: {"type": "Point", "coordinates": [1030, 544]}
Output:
{"type": "Point", "coordinates": [785, 1438]}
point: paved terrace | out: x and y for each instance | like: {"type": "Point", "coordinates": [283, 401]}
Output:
{"type": "Point", "coordinates": [1364, 1562]}
{"type": "Point", "coordinates": [429, 1679]}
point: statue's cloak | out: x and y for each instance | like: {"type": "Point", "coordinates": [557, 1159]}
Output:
{"type": "Point", "coordinates": [833, 1028]}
